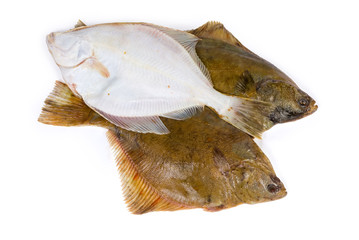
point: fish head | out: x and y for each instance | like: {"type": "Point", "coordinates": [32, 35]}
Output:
{"type": "Point", "coordinates": [255, 183]}
{"type": "Point", "coordinates": [291, 103]}
{"type": "Point", "coordinates": [74, 53]}
{"type": "Point", "coordinates": [69, 49]}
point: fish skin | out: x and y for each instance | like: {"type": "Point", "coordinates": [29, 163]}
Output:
{"type": "Point", "coordinates": [227, 63]}
{"type": "Point", "coordinates": [203, 162]}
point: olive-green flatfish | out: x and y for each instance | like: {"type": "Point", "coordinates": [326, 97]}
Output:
{"type": "Point", "coordinates": [236, 70]}
{"type": "Point", "coordinates": [203, 162]}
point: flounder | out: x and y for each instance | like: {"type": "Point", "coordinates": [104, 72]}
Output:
{"type": "Point", "coordinates": [203, 162]}
{"type": "Point", "coordinates": [134, 73]}
{"type": "Point", "coordinates": [237, 71]}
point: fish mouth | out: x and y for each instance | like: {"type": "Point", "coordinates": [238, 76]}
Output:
{"type": "Point", "coordinates": [279, 191]}
{"type": "Point", "coordinates": [50, 38]}
{"type": "Point", "coordinates": [312, 108]}
{"type": "Point", "coordinates": [50, 42]}
{"type": "Point", "coordinates": [283, 115]}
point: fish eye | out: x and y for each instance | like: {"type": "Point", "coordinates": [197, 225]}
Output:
{"type": "Point", "coordinates": [303, 102]}
{"type": "Point", "coordinates": [273, 188]}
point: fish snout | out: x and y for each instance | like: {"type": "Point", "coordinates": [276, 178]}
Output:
{"type": "Point", "coordinates": [276, 187]}
{"type": "Point", "coordinates": [50, 39]}
{"type": "Point", "coordinates": [312, 107]}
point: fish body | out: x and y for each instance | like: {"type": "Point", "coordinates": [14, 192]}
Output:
{"type": "Point", "coordinates": [203, 162]}
{"type": "Point", "coordinates": [235, 70]}
{"type": "Point", "coordinates": [133, 73]}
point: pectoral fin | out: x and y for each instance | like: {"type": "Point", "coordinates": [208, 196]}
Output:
{"type": "Point", "coordinates": [221, 162]}
{"type": "Point", "coordinates": [245, 85]}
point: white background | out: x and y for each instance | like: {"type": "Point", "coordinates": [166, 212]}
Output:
{"type": "Point", "coordinates": [62, 183]}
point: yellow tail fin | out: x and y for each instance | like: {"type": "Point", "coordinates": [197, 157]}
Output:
{"type": "Point", "coordinates": [63, 108]}
{"type": "Point", "coordinates": [248, 115]}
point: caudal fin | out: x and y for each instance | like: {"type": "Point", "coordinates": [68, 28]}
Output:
{"type": "Point", "coordinates": [248, 115]}
{"type": "Point", "coordinates": [63, 108]}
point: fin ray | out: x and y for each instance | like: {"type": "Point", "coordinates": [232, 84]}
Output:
{"type": "Point", "coordinates": [245, 84]}
{"type": "Point", "coordinates": [151, 124]}
{"type": "Point", "coordinates": [63, 108]}
{"type": "Point", "coordinates": [139, 195]}
{"type": "Point", "coordinates": [80, 24]}
{"type": "Point", "coordinates": [188, 41]}
{"type": "Point", "coordinates": [183, 114]}
{"type": "Point", "coordinates": [215, 30]}
{"type": "Point", "coordinates": [248, 115]}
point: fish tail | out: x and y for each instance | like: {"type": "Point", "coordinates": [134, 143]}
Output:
{"type": "Point", "coordinates": [63, 108]}
{"type": "Point", "coordinates": [248, 115]}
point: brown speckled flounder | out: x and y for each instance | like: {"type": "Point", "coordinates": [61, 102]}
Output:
{"type": "Point", "coordinates": [203, 162]}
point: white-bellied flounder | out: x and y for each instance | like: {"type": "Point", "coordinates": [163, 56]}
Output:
{"type": "Point", "coordinates": [133, 73]}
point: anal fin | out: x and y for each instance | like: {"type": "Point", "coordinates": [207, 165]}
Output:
{"type": "Point", "coordinates": [152, 124]}
{"type": "Point", "coordinates": [140, 196]}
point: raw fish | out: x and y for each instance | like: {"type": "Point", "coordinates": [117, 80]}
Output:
{"type": "Point", "coordinates": [132, 73]}
{"type": "Point", "coordinates": [203, 162]}
{"type": "Point", "coordinates": [235, 70]}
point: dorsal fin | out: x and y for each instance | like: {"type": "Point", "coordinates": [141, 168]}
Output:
{"type": "Point", "coordinates": [139, 195]}
{"type": "Point", "coordinates": [215, 30]}
{"type": "Point", "coordinates": [80, 24]}
{"type": "Point", "coordinates": [188, 41]}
